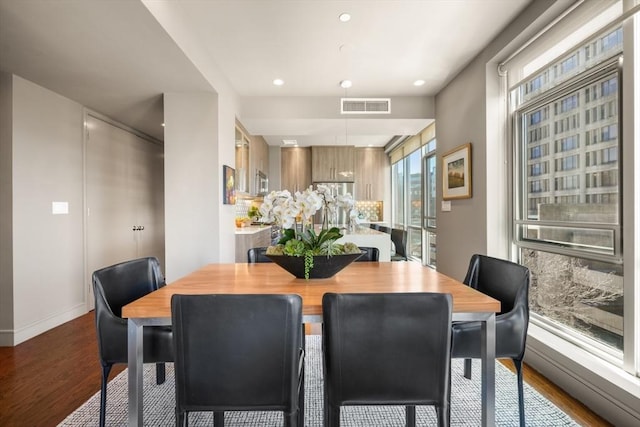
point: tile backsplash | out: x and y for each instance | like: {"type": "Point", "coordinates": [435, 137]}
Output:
{"type": "Point", "coordinates": [370, 210]}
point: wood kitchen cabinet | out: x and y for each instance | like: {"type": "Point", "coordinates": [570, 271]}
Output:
{"type": "Point", "coordinates": [371, 164]}
{"type": "Point", "coordinates": [259, 162]}
{"type": "Point", "coordinates": [296, 168]}
{"type": "Point", "coordinates": [332, 163]}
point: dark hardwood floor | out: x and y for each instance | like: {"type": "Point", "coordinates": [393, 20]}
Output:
{"type": "Point", "coordinates": [46, 378]}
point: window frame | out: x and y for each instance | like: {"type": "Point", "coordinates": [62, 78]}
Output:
{"type": "Point", "coordinates": [557, 94]}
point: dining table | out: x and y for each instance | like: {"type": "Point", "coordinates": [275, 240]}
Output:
{"type": "Point", "coordinates": [154, 309]}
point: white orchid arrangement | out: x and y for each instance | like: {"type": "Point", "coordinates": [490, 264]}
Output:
{"type": "Point", "coordinates": [290, 210]}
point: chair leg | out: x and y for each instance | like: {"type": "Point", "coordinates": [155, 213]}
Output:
{"type": "Point", "coordinates": [443, 414]}
{"type": "Point", "coordinates": [467, 368]}
{"type": "Point", "coordinates": [301, 384]}
{"type": "Point", "coordinates": [518, 364]}
{"type": "Point", "coordinates": [160, 373]}
{"type": "Point", "coordinates": [103, 393]}
{"type": "Point", "coordinates": [182, 418]}
{"type": "Point", "coordinates": [331, 415]}
{"type": "Point", "coordinates": [411, 416]}
{"type": "Point", "coordinates": [291, 419]}
{"type": "Point", "coordinates": [218, 419]}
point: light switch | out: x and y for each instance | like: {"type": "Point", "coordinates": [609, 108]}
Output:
{"type": "Point", "coordinates": [446, 206]}
{"type": "Point", "coordinates": [59, 208]}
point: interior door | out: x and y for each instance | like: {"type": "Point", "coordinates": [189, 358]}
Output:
{"type": "Point", "coordinates": [146, 184]}
{"type": "Point", "coordinates": [124, 197]}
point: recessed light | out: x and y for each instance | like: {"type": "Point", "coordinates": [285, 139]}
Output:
{"type": "Point", "coordinates": [346, 84]}
{"type": "Point", "coordinates": [162, 124]}
{"type": "Point", "coordinates": [344, 17]}
{"type": "Point", "coordinates": [418, 83]}
{"type": "Point", "coordinates": [290, 142]}
{"type": "Point", "coordinates": [278, 82]}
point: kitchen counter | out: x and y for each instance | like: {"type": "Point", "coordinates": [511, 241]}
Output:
{"type": "Point", "coordinates": [364, 236]}
{"type": "Point", "coordinates": [252, 229]}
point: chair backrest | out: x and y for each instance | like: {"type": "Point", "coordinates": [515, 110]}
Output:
{"type": "Point", "coordinates": [237, 351]}
{"type": "Point", "coordinates": [387, 348]}
{"type": "Point", "coordinates": [384, 229]}
{"type": "Point", "coordinates": [371, 254]}
{"type": "Point", "coordinates": [120, 284]}
{"type": "Point", "coordinates": [114, 287]}
{"type": "Point", "coordinates": [503, 280]}
{"type": "Point", "coordinates": [399, 239]}
{"type": "Point", "coordinates": [255, 255]}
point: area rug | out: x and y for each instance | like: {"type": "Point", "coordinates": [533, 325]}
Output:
{"type": "Point", "coordinates": [159, 403]}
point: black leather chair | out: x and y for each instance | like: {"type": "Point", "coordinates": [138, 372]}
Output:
{"type": "Point", "coordinates": [113, 288]}
{"type": "Point", "coordinates": [399, 239]}
{"type": "Point", "coordinates": [384, 229]}
{"type": "Point", "coordinates": [387, 349]}
{"type": "Point", "coordinates": [372, 254]}
{"type": "Point", "coordinates": [238, 352]}
{"type": "Point", "coordinates": [257, 255]}
{"type": "Point", "coordinates": [508, 282]}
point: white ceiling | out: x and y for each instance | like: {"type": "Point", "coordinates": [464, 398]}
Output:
{"type": "Point", "coordinates": [116, 58]}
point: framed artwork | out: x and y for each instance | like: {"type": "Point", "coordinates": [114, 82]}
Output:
{"type": "Point", "coordinates": [228, 185]}
{"type": "Point", "coordinates": [456, 173]}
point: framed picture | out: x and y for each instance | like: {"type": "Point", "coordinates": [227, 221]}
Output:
{"type": "Point", "coordinates": [456, 173]}
{"type": "Point", "coordinates": [228, 185]}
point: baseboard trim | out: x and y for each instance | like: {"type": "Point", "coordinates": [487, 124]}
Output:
{"type": "Point", "coordinates": [10, 338]}
{"type": "Point", "coordinates": [607, 390]}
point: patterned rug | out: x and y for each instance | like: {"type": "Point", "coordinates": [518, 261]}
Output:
{"type": "Point", "coordinates": [159, 403]}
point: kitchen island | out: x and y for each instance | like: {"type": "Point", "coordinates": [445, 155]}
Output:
{"type": "Point", "coordinates": [251, 237]}
{"type": "Point", "coordinates": [365, 236]}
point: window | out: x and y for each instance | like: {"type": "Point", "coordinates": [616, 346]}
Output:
{"type": "Point", "coordinates": [567, 223]}
{"type": "Point", "coordinates": [413, 210]}
{"type": "Point", "coordinates": [397, 190]}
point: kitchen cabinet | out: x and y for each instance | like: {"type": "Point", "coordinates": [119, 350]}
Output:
{"type": "Point", "coordinates": [332, 163]}
{"type": "Point", "coordinates": [259, 163]}
{"type": "Point", "coordinates": [243, 147]}
{"type": "Point", "coordinates": [371, 164]}
{"type": "Point", "coordinates": [296, 168]}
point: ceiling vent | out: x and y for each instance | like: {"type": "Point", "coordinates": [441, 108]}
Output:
{"type": "Point", "coordinates": [365, 105]}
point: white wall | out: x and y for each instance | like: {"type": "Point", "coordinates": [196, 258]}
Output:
{"type": "Point", "coordinates": [191, 176]}
{"type": "Point", "coordinates": [47, 249]}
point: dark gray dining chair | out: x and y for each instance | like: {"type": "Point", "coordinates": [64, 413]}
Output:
{"type": "Point", "coordinates": [371, 254]}
{"type": "Point", "coordinates": [507, 282]}
{"type": "Point", "coordinates": [114, 287]}
{"type": "Point", "coordinates": [384, 229]}
{"type": "Point", "coordinates": [399, 239]}
{"type": "Point", "coordinates": [387, 349]}
{"type": "Point", "coordinates": [255, 255]}
{"type": "Point", "coordinates": [238, 353]}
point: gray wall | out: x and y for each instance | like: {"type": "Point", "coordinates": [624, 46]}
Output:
{"type": "Point", "coordinates": [6, 211]}
{"type": "Point", "coordinates": [471, 109]}
{"type": "Point", "coordinates": [47, 250]}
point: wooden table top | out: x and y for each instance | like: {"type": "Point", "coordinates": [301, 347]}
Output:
{"type": "Point", "coordinates": [269, 278]}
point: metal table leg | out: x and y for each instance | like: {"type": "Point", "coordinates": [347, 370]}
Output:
{"type": "Point", "coordinates": [135, 364]}
{"type": "Point", "coordinates": [488, 357]}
